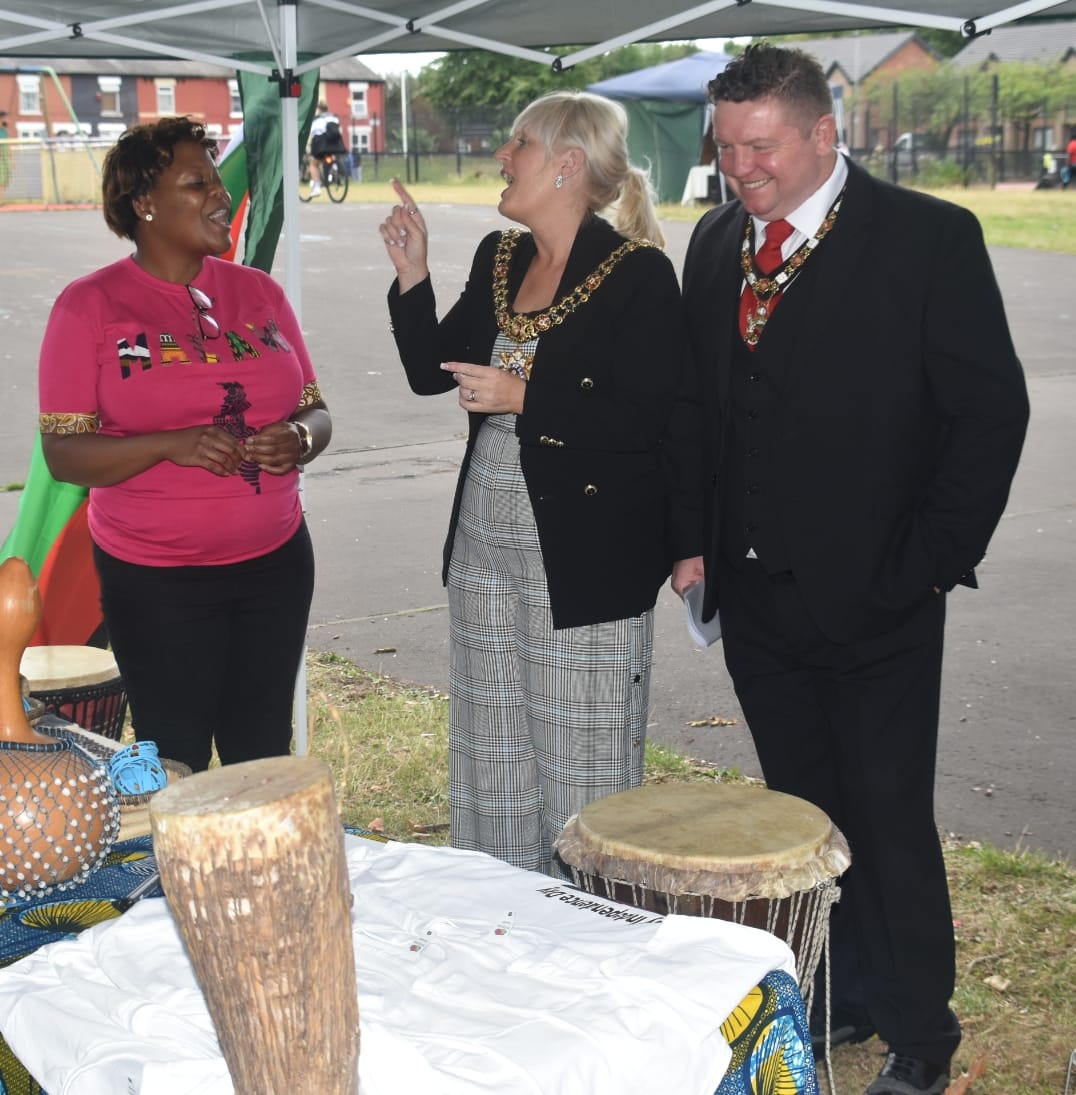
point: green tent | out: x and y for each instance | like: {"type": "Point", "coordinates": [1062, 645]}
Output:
{"type": "Point", "coordinates": [667, 115]}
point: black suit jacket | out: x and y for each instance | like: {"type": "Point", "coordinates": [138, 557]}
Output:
{"type": "Point", "coordinates": [608, 435]}
{"type": "Point", "coordinates": [903, 406]}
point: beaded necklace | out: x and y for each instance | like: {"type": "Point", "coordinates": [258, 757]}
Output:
{"type": "Point", "coordinates": [521, 328]}
{"type": "Point", "coordinates": [766, 286]}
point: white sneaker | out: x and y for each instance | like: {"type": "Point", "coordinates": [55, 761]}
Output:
{"type": "Point", "coordinates": [315, 190]}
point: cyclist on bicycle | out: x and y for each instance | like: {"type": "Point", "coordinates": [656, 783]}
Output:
{"type": "Point", "coordinates": [325, 140]}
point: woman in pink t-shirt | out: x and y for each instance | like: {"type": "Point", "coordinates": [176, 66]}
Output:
{"type": "Point", "coordinates": [178, 388]}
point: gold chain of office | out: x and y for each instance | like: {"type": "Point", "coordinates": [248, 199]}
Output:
{"type": "Point", "coordinates": [765, 286]}
{"type": "Point", "coordinates": [523, 328]}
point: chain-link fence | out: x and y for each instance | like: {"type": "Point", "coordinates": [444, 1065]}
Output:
{"type": "Point", "coordinates": [61, 170]}
{"type": "Point", "coordinates": [974, 166]}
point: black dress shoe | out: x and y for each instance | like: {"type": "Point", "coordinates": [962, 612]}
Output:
{"type": "Point", "coordinates": [902, 1075]}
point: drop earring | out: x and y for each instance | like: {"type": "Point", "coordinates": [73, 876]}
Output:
{"type": "Point", "coordinates": [558, 182]}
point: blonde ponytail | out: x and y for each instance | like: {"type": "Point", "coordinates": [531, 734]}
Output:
{"type": "Point", "coordinates": [599, 128]}
{"type": "Point", "coordinates": [633, 213]}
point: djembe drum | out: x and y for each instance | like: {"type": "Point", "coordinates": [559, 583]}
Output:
{"type": "Point", "coordinates": [252, 862]}
{"type": "Point", "coordinates": [737, 853]}
{"type": "Point", "coordinates": [79, 683]}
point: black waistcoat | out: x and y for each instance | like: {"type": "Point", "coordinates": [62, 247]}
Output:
{"type": "Point", "coordinates": [751, 514]}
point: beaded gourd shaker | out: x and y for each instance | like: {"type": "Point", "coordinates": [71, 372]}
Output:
{"type": "Point", "coordinates": [59, 814]}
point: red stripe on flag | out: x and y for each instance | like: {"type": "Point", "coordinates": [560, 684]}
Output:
{"type": "Point", "coordinates": [237, 226]}
{"type": "Point", "coordinates": [70, 592]}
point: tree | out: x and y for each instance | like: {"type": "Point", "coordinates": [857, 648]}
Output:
{"type": "Point", "coordinates": [946, 43]}
{"type": "Point", "coordinates": [477, 78]}
{"type": "Point", "coordinates": [1028, 92]}
{"type": "Point", "coordinates": [933, 102]}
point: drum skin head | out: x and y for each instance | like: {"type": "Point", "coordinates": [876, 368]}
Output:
{"type": "Point", "coordinates": [699, 823]}
{"type": "Point", "coordinates": [731, 841]}
{"type": "Point", "coordinates": [48, 668]}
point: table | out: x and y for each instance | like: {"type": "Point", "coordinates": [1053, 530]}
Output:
{"type": "Point", "coordinates": [768, 1024]}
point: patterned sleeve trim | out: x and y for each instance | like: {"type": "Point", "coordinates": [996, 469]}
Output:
{"type": "Point", "coordinates": [311, 395]}
{"type": "Point", "coordinates": [68, 423]}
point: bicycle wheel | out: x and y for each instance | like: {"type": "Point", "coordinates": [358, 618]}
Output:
{"type": "Point", "coordinates": [336, 180]}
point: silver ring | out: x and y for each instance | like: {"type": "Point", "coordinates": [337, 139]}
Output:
{"type": "Point", "coordinates": [472, 396]}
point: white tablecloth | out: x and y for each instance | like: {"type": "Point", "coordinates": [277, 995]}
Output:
{"type": "Point", "coordinates": [474, 977]}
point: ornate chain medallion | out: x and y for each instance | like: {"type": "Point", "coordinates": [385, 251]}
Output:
{"type": "Point", "coordinates": [766, 286]}
{"type": "Point", "coordinates": [525, 328]}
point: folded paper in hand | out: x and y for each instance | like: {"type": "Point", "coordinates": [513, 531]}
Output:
{"type": "Point", "coordinates": [704, 634]}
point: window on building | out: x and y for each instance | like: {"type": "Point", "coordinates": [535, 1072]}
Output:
{"type": "Point", "coordinates": [29, 94]}
{"type": "Point", "coordinates": [69, 129]}
{"type": "Point", "coordinates": [108, 94]}
{"type": "Point", "coordinates": [358, 99]}
{"type": "Point", "coordinates": [1042, 138]}
{"type": "Point", "coordinates": [236, 108]}
{"type": "Point", "coordinates": [166, 96]}
{"type": "Point", "coordinates": [110, 130]}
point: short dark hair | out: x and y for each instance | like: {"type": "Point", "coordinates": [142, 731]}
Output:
{"type": "Point", "coordinates": [135, 162]}
{"type": "Point", "coordinates": [762, 71]}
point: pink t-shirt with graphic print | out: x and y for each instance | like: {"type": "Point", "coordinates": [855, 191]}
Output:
{"type": "Point", "coordinates": [125, 346]}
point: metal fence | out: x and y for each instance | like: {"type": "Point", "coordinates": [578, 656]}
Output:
{"type": "Point", "coordinates": [61, 170]}
{"type": "Point", "coordinates": [974, 166]}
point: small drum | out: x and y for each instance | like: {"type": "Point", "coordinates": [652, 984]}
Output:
{"type": "Point", "coordinates": [738, 853]}
{"type": "Point", "coordinates": [79, 683]}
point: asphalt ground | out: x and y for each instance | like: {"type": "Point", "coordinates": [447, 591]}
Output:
{"type": "Point", "coordinates": [378, 504]}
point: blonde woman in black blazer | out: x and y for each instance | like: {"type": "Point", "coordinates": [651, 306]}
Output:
{"type": "Point", "coordinates": [579, 485]}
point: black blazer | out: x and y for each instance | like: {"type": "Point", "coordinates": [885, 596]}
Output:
{"type": "Point", "coordinates": [608, 435]}
{"type": "Point", "coordinates": [903, 411]}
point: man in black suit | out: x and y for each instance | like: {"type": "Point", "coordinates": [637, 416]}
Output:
{"type": "Point", "coordinates": [866, 414]}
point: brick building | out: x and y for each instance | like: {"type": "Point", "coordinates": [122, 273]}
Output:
{"type": "Point", "coordinates": [101, 98]}
{"type": "Point", "coordinates": [851, 63]}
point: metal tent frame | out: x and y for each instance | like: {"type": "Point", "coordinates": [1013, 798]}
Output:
{"type": "Point", "coordinates": [306, 34]}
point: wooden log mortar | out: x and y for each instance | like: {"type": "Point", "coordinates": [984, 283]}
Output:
{"type": "Point", "coordinates": [253, 865]}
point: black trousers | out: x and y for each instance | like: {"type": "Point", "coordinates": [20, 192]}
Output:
{"type": "Point", "coordinates": [211, 653]}
{"type": "Point", "coordinates": [853, 729]}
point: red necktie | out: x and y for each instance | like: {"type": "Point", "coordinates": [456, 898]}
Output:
{"type": "Point", "coordinates": [767, 259]}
